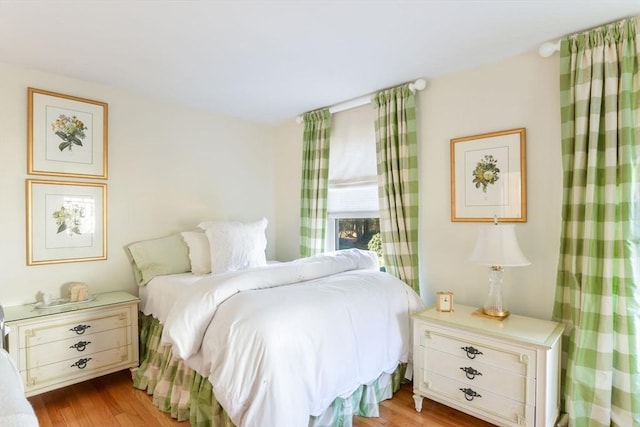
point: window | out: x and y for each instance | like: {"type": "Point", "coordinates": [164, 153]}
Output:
{"type": "Point", "coordinates": [360, 233]}
{"type": "Point", "coordinates": [352, 207]}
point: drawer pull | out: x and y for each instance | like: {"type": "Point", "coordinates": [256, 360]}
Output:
{"type": "Point", "coordinates": [472, 352]}
{"type": "Point", "coordinates": [81, 363]}
{"type": "Point", "coordinates": [470, 394]}
{"type": "Point", "coordinates": [470, 372]}
{"type": "Point", "coordinates": [80, 345]}
{"type": "Point", "coordinates": [80, 329]}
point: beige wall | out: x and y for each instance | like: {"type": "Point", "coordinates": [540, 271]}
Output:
{"type": "Point", "coordinates": [169, 168]}
{"type": "Point", "coordinates": [288, 154]}
{"type": "Point", "coordinates": [519, 92]}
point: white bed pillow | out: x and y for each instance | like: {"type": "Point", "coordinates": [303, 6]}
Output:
{"type": "Point", "coordinates": [236, 245]}
{"type": "Point", "coordinates": [199, 253]}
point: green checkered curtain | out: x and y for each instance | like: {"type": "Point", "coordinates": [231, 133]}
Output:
{"type": "Point", "coordinates": [598, 282]}
{"type": "Point", "coordinates": [397, 153]}
{"type": "Point", "coordinates": [315, 177]}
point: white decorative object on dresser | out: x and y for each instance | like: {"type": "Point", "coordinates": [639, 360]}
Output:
{"type": "Point", "coordinates": [503, 371]}
{"type": "Point", "coordinates": [56, 347]}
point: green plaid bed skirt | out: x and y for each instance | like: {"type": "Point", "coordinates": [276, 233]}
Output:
{"type": "Point", "coordinates": [184, 393]}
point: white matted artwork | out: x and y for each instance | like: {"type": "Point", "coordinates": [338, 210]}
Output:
{"type": "Point", "coordinates": [66, 222]}
{"type": "Point", "coordinates": [67, 135]}
{"type": "Point", "coordinates": [488, 177]}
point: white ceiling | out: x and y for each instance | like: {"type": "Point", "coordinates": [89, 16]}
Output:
{"type": "Point", "coordinates": [270, 60]}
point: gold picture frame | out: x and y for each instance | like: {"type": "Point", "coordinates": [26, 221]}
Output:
{"type": "Point", "coordinates": [66, 221]}
{"type": "Point", "coordinates": [66, 135]}
{"type": "Point", "coordinates": [488, 177]}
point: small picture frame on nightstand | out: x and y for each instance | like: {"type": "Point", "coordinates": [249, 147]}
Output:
{"type": "Point", "coordinates": [444, 301]}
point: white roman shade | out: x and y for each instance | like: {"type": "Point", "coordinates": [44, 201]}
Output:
{"type": "Point", "coordinates": [353, 175]}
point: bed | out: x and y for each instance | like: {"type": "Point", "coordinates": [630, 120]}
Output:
{"type": "Point", "coordinates": [15, 409]}
{"type": "Point", "coordinates": [308, 342]}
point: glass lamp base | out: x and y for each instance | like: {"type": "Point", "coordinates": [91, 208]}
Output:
{"type": "Point", "coordinates": [495, 306]}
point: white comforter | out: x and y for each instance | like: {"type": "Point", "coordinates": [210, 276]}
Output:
{"type": "Point", "coordinates": [280, 343]}
{"type": "Point", "coordinates": [15, 409]}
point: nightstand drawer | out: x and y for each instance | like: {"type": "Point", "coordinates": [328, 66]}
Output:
{"type": "Point", "coordinates": [476, 374]}
{"type": "Point", "coordinates": [46, 354]}
{"type": "Point", "coordinates": [475, 398]}
{"type": "Point", "coordinates": [78, 367]}
{"type": "Point", "coordinates": [504, 357]}
{"type": "Point", "coordinates": [77, 325]}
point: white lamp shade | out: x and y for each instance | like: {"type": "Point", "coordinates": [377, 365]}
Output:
{"type": "Point", "coordinates": [497, 246]}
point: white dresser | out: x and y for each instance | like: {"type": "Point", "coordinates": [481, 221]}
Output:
{"type": "Point", "coordinates": [505, 372]}
{"type": "Point", "coordinates": [55, 347]}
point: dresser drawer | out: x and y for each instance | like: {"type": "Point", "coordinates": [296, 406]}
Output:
{"type": "Point", "coordinates": [518, 360]}
{"type": "Point", "coordinates": [478, 399]}
{"type": "Point", "coordinates": [81, 324]}
{"type": "Point", "coordinates": [78, 367]}
{"type": "Point", "coordinates": [75, 347]}
{"type": "Point", "coordinates": [477, 374]}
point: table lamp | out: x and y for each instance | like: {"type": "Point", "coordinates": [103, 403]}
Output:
{"type": "Point", "coordinates": [497, 247]}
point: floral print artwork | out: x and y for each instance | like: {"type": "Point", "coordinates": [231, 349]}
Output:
{"type": "Point", "coordinates": [486, 172]}
{"type": "Point", "coordinates": [70, 130]}
{"type": "Point", "coordinates": [69, 218]}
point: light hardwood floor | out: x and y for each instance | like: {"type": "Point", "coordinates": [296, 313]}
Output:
{"type": "Point", "coordinates": [111, 400]}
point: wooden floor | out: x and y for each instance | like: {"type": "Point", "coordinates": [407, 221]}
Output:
{"type": "Point", "coordinates": [112, 401]}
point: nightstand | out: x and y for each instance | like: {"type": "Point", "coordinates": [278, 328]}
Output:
{"type": "Point", "coordinates": [56, 347]}
{"type": "Point", "coordinates": [503, 371]}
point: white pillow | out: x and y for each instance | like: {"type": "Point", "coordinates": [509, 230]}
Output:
{"type": "Point", "coordinates": [199, 252]}
{"type": "Point", "coordinates": [235, 245]}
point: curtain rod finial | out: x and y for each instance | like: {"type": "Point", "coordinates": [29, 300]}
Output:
{"type": "Point", "coordinates": [419, 84]}
{"type": "Point", "coordinates": [549, 48]}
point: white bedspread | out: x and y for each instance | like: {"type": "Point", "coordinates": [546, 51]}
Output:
{"type": "Point", "coordinates": [160, 294]}
{"type": "Point", "coordinates": [280, 343]}
{"type": "Point", "coordinates": [15, 409]}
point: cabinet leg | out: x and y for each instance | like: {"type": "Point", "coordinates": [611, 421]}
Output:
{"type": "Point", "coordinates": [418, 399]}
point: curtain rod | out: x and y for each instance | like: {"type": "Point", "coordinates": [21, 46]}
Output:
{"type": "Point", "coordinates": [419, 84]}
{"type": "Point", "coordinates": [549, 48]}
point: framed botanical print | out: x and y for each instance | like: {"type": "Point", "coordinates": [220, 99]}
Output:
{"type": "Point", "coordinates": [66, 221]}
{"type": "Point", "coordinates": [488, 177]}
{"type": "Point", "coordinates": [66, 135]}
